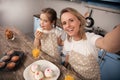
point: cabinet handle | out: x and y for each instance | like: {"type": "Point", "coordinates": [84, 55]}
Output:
{"type": "Point", "coordinates": [118, 58]}
{"type": "Point", "coordinates": [101, 58]}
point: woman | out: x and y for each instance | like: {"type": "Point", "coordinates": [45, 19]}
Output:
{"type": "Point", "coordinates": [82, 48]}
{"type": "Point", "coordinates": [46, 36]}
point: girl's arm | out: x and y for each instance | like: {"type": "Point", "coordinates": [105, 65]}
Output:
{"type": "Point", "coordinates": [37, 43]}
{"type": "Point", "coordinates": [59, 41]}
{"type": "Point", "coordinates": [111, 41]}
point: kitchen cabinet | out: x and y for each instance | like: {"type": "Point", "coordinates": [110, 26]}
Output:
{"type": "Point", "coordinates": [110, 66]}
{"type": "Point", "coordinates": [36, 22]}
{"type": "Point", "coordinates": [112, 4]}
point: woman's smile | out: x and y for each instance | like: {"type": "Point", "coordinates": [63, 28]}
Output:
{"type": "Point", "coordinates": [70, 24]}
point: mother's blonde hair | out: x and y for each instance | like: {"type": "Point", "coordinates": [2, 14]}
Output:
{"type": "Point", "coordinates": [79, 17]}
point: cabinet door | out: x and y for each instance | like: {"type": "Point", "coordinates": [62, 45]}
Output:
{"type": "Point", "coordinates": [36, 23]}
{"type": "Point", "coordinates": [110, 67]}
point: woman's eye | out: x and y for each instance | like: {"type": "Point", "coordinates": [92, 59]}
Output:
{"type": "Point", "coordinates": [71, 20]}
{"type": "Point", "coordinates": [63, 23]}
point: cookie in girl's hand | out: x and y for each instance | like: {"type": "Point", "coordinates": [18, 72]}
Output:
{"type": "Point", "coordinates": [43, 31]}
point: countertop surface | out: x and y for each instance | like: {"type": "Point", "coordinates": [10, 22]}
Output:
{"type": "Point", "coordinates": [23, 43]}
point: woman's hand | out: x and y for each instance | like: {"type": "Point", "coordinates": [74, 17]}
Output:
{"type": "Point", "coordinates": [66, 61]}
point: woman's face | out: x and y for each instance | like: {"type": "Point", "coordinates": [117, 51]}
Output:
{"type": "Point", "coordinates": [45, 23]}
{"type": "Point", "coordinates": [70, 24]}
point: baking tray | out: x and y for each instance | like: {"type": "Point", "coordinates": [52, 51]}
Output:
{"type": "Point", "coordinates": [20, 54]}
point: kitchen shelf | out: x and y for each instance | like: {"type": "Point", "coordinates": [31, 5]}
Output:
{"type": "Point", "coordinates": [103, 8]}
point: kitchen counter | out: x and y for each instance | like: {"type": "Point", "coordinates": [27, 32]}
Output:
{"type": "Point", "coordinates": [23, 43]}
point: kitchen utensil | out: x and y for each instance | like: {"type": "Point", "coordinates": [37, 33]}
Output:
{"type": "Point", "coordinates": [89, 20]}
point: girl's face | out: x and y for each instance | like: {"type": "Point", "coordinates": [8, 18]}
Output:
{"type": "Point", "coordinates": [70, 24]}
{"type": "Point", "coordinates": [45, 23]}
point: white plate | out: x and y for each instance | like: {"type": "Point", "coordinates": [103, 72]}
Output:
{"type": "Point", "coordinates": [28, 75]}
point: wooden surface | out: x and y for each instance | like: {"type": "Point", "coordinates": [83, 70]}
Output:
{"type": "Point", "coordinates": [23, 43]}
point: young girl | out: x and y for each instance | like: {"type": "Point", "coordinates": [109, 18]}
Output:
{"type": "Point", "coordinates": [46, 37]}
{"type": "Point", "coordinates": [82, 48]}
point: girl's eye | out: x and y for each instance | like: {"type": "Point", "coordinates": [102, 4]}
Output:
{"type": "Point", "coordinates": [45, 21]}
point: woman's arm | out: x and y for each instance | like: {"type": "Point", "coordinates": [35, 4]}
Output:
{"type": "Point", "coordinates": [66, 60]}
{"type": "Point", "coordinates": [111, 41]}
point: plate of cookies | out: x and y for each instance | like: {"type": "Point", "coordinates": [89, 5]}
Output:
{"type": "Point", "coordinates": [10, 60]}
{"type": "Point", "coordinates": [41, 70]}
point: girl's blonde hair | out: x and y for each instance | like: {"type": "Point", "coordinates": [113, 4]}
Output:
{"type": "Point", "coordinates": [80, 18]}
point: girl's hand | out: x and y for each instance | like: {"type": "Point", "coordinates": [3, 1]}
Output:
{"type": "Point", "coordinates": [59, 41]}
{"type": "Point", "coordinates": [38, 34]}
